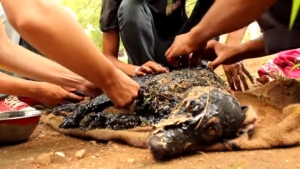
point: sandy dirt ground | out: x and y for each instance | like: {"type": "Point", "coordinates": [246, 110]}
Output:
{"type": "Point", "coordinates": [37, 153]}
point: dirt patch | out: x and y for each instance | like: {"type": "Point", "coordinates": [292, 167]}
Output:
{"type": "Point", "coordinates": [113, 155]}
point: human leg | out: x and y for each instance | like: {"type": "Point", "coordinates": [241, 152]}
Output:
{"type": "Point", "coordinates": [200, 9]}
{"type": "Point", "coordinates": [137, 31]}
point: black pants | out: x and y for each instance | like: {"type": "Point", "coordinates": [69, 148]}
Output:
{"type": "Point", "coordinates": [138, 33]}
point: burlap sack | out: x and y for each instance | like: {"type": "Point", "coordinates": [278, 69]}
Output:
{"type": "Point", "coordinates": [278, 125]}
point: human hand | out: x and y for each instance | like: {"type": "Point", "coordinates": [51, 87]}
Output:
{"type": "Point", "coordinates": [52, 95]}
{"type": "Point", "coordinates": [150, 67]}
{"type": "Point", "coordinates": [90, 89]}
{"type": "Point", "coordinates": [222, 54]}
{"type": "Point", "coordinates": [86, 88]}
{"type": "Point", "coordinates": [121, 89]}
{"type": "Point", "coordinates": [235, 74]}
{"type": "Point", "coordinates": [182, 47]}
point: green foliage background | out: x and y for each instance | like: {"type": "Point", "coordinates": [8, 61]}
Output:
{"type": "Point", "coordinates": [88, 14]}
{"type": "Point", "coordinates": [294, 13]}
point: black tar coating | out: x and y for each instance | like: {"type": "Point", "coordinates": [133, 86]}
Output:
{"type": "Point", "coordinates": [155, 101]}
{"type": "Point", "coordinates": [221, 120]}
{"type": "Point", "coordinates": [162, 97]}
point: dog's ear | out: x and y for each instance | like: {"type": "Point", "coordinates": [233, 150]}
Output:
{"type": "Point", "coordinates": [250, 120]}
{"type": "Point", "coordinates": [245, 108]}
{"type": "Point", "coordinates": [250, 114]}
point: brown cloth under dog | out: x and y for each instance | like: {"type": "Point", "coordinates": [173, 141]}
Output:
{"type": "Point", "coordinates": [277, 105]}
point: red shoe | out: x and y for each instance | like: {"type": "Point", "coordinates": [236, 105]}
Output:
{"type": "Point", "coordinates": [29, 101]}
{"type": "Point", "coordinates": [13, 103]}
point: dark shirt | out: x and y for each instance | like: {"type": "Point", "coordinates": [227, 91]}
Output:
{"type": "Point", "coordinates": [275, 27]}
{"type": "Point", "coordinates": [167, 21]}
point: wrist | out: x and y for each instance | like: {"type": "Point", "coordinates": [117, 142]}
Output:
{"type": "Point", "coordinates": [128, 69]}
{"type": "Point", "coordinates": [73, 81]}
{"type": "Point", "coordinates": [108, 82]}
{"type": "Point", "coordinates": [36, 89]}
{"type": "Point", "coordinates": [238, 53]}
{"type": "Point", "coordinates": [137, 68]}
{"type": "Point", "coordinates": [131, 70]}
{"type": "Point", "coordinates": [114, 81]}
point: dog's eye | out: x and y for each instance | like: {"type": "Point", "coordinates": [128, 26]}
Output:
{"type": "Point", "coordinates": [195, 106]}
{"type": "Point", "coordinates": [211, 130]}
{"type": "Point", "coordinates": [241, 133]}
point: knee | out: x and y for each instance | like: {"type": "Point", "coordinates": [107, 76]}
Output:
{"type": "Point", "coordinates": [131, 11]}
{"type": "Point", "coordinates": [130, 6]}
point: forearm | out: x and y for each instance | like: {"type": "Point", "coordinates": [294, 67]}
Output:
{"type": "Point", "coordinates": [126, 68]}
{"type": "Point", "coordinates": [239, 13]}
{"type": "Point", "coordinates": [252, 49]}
{"type": "Point", "coordinates": [61, 39]}
{"type": "Point", "coordinates": [20, 87]}
{"type": "Point", "coordinates": [111, 43]}
{"type": "Point", "coordinates": [17, 59]}
{"type": "Point", "coordinates": [236, 37]}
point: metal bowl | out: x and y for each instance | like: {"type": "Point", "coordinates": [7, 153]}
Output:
{"type": "Point", "coordinates": [17, 126]}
